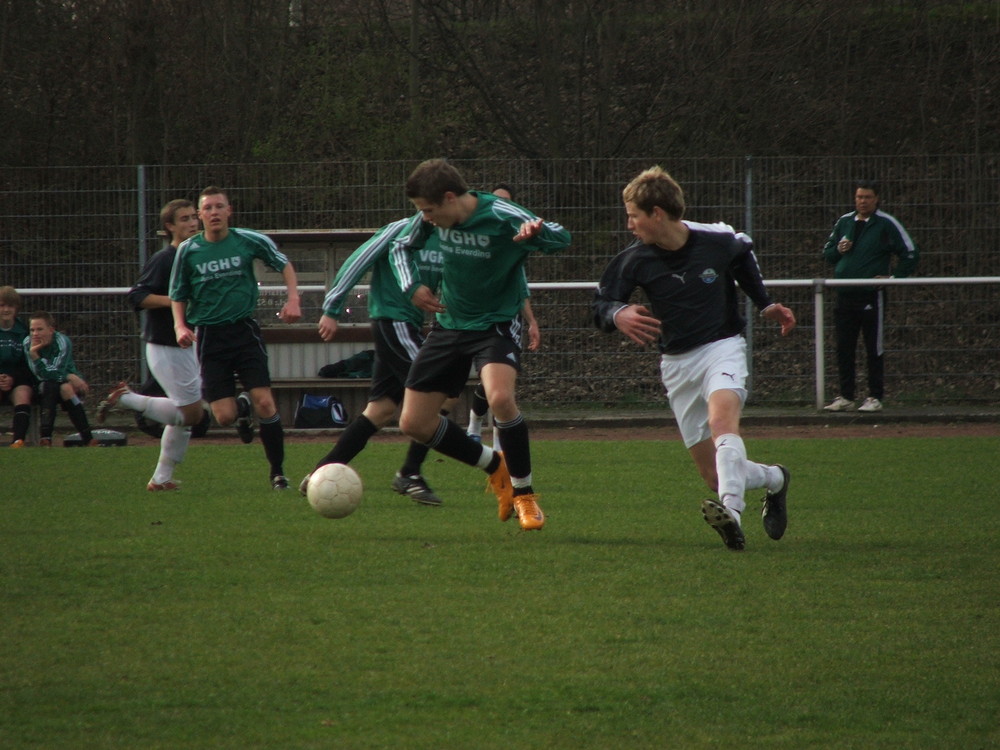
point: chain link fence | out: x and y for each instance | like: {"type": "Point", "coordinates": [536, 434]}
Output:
{"type": "Point", "coordinates": [93, 227]}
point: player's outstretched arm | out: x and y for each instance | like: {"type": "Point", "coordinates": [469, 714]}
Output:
{"type": "Point", "coordinates": [781, 315]}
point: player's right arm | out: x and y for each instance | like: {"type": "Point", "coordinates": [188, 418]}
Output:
{"type": "Point", "coordinates": [185, 336]}
{"type": "Point", "coordinates": [611, 310]}
{"type": "Point", "coordinates": [357, 264]}
{"type": "Point", "coordinates": [179, 294]}
{"type": "Point", "coordinates": [147, 294]}
{"type": "Point", "coordinates": [404, 265]}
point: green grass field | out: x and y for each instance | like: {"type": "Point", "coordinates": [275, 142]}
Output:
{"type": "Point", "coordinates": [230, 616]}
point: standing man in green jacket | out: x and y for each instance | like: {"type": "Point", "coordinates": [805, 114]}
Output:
{"type": "Point", "coordinates": [862, 246]}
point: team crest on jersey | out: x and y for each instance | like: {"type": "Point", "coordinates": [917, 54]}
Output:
{"type": "Point", "coordinates": [708, 275]}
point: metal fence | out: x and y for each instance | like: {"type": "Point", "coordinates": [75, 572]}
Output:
{"type": "Point", "coordinates": [92, 227]}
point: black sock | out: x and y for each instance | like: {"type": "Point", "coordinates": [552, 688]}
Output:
{"type": "Point", "coordinates": [272, 436]}
{"type": "Point", "coordinates": [479, 402]}
{"type": "Point", "coordinates": [414, 459]}
{"type": "Point", "coordinates": [516, 446]}
{"type": "Point", "coordinates": [22, 417]}
{"type": "Point", "coordinates": [451, 440]}
{"type": "Point", "coordinates": [78, 417]}
{"type": "Point", "coordinates": [351, 442]}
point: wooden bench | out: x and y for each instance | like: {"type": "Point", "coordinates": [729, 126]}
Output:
{"type": "Point", "coordinates": [297, 353]}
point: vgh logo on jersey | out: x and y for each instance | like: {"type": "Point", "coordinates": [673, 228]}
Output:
{"type": "Point", "coordinates": [708, 275]}
{"type": "Point", "coordinates": [222, 264]}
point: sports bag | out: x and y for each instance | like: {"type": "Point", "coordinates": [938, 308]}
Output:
{"type": "Point", "coordinates": [313, 412]}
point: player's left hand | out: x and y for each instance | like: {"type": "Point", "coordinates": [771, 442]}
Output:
{"type": "Point", "coordinates": [534, 336]}
{"type": "Point", "coordinates": [781, 315]}
{"type": "Point", "coordinates": [528, 230]}
{"type": "Point", "coordinates": [425, 299]}
{"type": "Point", "coordinates": [291, 312]}
{"type": "Point", "coordinates": [327, 327]}
{"type": "Point", "coordinates": [80, 386]}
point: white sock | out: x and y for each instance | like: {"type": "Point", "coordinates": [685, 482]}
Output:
{"type": "Point", "coordinates": [164, 411]}
{"type": "Point", "coordinates": [173, 446]}
{"type": "Point", "coordinates": [475, 424]}
{"type": "Point", "coordinates": [133, 401]}
{"type": "Point", "coordinates": [485, 457]}
{"type": "Point", "coordinates": [159, 409]}
{"type": "Point", "coordinates": [174, 442]}
{"type": "Point", "coordinates": [731, 467]}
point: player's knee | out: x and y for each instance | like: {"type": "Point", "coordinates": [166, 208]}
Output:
{"type": "Point", "coordinates": [379, 412]}
{"type": "Point", "coordinates": [504, 406]}
{"type": "Point", "coordinates": [264, 405]}
{"type": "Point", "coordinates": [193, 414]}
{"type": "Point", "coordinates": [415, 429]}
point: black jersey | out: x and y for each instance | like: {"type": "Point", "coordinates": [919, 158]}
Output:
{"type": "Point", "coordinates": [155, 279]}
{"type": "Point", "coordinates": [691, 290]}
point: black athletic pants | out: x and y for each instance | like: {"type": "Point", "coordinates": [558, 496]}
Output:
{"type": "Point", "coordinates": [864, 315]}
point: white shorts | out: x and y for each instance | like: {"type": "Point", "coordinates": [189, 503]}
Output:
{"type": "Point", "coordinates": [690, 378]}
{"type": "Point", "coordinates": [177, 372]}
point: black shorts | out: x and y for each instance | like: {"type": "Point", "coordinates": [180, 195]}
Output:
{"type": "Point", "coordinates": [448, 356]}
{"type": "Point", "coordinates": [21, 376]}
{"type": "Point", "coordinates": [396, 345]}
{"type": "Point", "coordinates": [230, 351]}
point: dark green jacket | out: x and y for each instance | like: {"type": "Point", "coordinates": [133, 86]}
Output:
{"type": "Point", "coordinates": [872, 252]}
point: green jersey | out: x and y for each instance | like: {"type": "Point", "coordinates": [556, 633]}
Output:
{"type": "Point", "coordinates": [876, 241]}
{"type": "Point", "coordinates": [482, 271]}
{"type": "Point", "coordinates": [217, 279]}
{"type": "Point", "coordinates": [12, 347]}
{"type": "Point", "coordinates": [55, 361]}
{"type": "Point", "coordinates": [385, 300]}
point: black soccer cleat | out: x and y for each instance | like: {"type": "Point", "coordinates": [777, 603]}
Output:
{"type": "Point", "coordinates": [719, 518]}
{"type": "Point", "coordinates": [244, 417]}
{"type": "Point", "coordinates": [279, 482]}
{"type": "Point", "coordinates": [416, 488]}
{"type": "Point", "coordinates": [774, 514]}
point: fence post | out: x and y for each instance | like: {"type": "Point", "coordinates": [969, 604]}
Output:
{"type": "Point", "coordinates": [748, 308]}
{"type": "Point", "coordinates": [819, 340]}
{"type": "Point", "coordinates": [140, 209]}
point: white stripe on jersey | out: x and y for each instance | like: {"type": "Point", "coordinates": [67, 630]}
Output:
{"type": "Point", "coordinates": [907, 240]}
{"type": "Point", "coordinates": [263, 240]}
{"type": "Point", "coordinates": [503, 209]}
{"type": "Point", "coordinates": [362, 263]}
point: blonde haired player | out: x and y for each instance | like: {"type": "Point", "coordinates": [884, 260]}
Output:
{"type": "Point", "coordinates": [689, 272]}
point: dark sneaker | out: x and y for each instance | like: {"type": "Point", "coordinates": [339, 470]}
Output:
{"type": "Point", "coordinates": [304, 485]}
{"type": "Point", "coordinates": [244, 417]}
{"type": "Point", "coordinates": [719, 518]}
{"type": "Point", "coordinates": [775, 513]}
{"type": "Point", "coordinates": [279, 482]}
{"type": "Point", "coordinates": [416, 487]}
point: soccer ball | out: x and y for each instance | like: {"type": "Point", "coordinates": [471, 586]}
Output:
{"type": "Point", "coordinates": [334, 490]}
